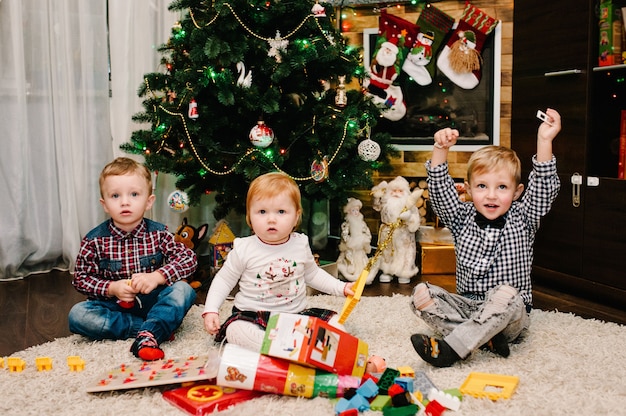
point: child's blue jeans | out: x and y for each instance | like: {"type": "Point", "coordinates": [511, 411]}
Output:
{"type": "Point", "coordinates": [160, 312]}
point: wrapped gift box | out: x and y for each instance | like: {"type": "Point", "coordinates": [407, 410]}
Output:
{"type": "Point", "coordinates": [438, 259]}
{"type": "Point", "coordinates": [311, 341]}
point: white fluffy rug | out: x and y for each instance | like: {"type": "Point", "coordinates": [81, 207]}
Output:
{"type": "Point", "coordinates": [566, 365]}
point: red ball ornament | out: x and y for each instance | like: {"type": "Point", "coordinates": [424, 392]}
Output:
{"type": "Point", "coordinates": [261, 135]}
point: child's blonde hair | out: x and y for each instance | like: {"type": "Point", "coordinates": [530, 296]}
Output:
{"type": "Point", "coordinates": [268, 186]}
{"type": "Point", "coordinates": [490, 158]}
{"type": "Point", "coordinates": [123, 166]}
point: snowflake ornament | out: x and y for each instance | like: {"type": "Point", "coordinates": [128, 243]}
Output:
{"type": "Point", "coordinates": [277, 45]}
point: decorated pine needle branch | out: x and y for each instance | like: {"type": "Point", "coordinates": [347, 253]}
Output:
{"type": "Point", "coordinates": [251, 86]}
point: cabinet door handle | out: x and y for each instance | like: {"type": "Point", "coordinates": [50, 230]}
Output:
{"type": "Point", "coordinates": [562, 73]}
{"type": "Point", "coordinates": [577, 181]}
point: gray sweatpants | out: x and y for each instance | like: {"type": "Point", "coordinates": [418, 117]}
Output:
{"type": "Point", "coordinates": [467, 324]}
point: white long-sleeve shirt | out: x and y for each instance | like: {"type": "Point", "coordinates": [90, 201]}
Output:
{"type": "Point", "coordinates": [271, 277]}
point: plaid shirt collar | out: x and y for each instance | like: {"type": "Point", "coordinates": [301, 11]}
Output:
{"type": "Point", "coordinates": [119, 234]}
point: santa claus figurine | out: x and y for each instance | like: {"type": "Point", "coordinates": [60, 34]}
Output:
{"type": "Point", "coordinates": [355, 243]}
{"type": "Point", "coordinates": [396, 204]}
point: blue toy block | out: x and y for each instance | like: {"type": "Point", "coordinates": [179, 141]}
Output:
{"type": "Point", "coordinates": [359, 402]}
{"type": "Point", "coordinates": [342, 405]}
{"type": "Point", "coordinates": [368, 389]}
{"type": "Point", "coordinates": [405, 382]}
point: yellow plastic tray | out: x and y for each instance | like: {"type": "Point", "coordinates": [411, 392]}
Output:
{"type": "Point", "coordinates": [492, 386]}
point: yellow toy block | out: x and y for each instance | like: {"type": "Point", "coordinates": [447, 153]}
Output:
{"type": "Point", "coordinates": [16, 364]}
{"type": "Point", "coordinates": [1, 362]}
{"type": "Point", "coordinates": [75, 363]}
{"type": "Point", "coordinates": [43, 363]}
{"type": "Point", "coordinates": [492, 386]}
{"type": "Point", "coordinates": [406, 371]}
{"type": "Point", "coordinates": [352, 300]}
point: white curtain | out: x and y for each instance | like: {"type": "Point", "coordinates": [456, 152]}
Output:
{"type": "Point", "coordinates": [53, 100]}
{"type": "Point", "coordinates": [59, 126]}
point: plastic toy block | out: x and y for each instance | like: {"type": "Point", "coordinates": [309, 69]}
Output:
{"type": "Point", "coordinates": [395, 389]}
{"type": "Point", "coordinates": [381, 401]}
{"type": "Point", "coordinates": [342, 405]}
{"type": "Point", "coordinates": [15, 364]}
{"type": "Point", "coordinates": [1, 362]}
{"type": "Point", "coordinates": [410, 410]}
{"type": "Point", "coordinates": [349, 412]}
{"type": "Point", "coordinates": [368, 389]}
{"type": "Point", "coordinates": [367, 376]}
{"type": "Point", "coordinates": [405, 382]}
{"type": "Point", "coordinates": [75, 363]}
{"type": "Point", "coordinates": [447, 400]}
{"type": "Point", "coordinates": [434, 408]}
{"type": "Point", "coordinates": [422, 383]}
{"type": "Point", "coordinates": [359, 402]}
{"type": "Point", "coordinates": [492, 386]}
{"type": "Point", "coordinates": [43, 363]}
{"type": "Point", "coordinates": [406, 371]}
{"type": "Point", "coordinates": [402, 399]}
{"type": "Point", "coordinates": [386, 379]}
{"type": "Point", "coordinates": [352, 300]}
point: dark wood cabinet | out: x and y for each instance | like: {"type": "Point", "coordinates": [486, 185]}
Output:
{"type": "Point", "coordinates": [581, 245]}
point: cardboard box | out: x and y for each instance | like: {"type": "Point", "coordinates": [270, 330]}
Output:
{"type": "Point", "coordinates": [438, 259]}
{"type": "Point", "coordinates": [313, 342]}
{"type": "Point", "coordinates": [610, 36]}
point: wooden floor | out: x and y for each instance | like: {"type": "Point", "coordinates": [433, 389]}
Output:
{"type": "Point", "coordinates": [34, 310]}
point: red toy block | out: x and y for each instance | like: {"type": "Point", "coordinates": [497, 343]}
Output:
{"type": "Point", "coordinates": [434, 408]}
{"type": "Point", "coordinates": [395, 389]}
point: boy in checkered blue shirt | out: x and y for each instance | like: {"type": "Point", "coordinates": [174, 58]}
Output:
{"type": "Point", "coordinates": [493, 238]}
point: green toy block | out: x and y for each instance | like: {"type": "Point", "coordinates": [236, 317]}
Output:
{"type": "Point", "coordinates": [381, 401]}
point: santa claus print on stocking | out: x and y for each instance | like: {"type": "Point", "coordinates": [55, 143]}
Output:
{"type": "Point", "coordinates": [460, 60]}
{"type": "Point", "coordinates": [395, 36]}
{"type": "Point", "coordinates": [434, 26]}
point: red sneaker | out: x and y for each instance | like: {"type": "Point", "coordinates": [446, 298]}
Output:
{"type": "Point", "coordinates": [146, 347]}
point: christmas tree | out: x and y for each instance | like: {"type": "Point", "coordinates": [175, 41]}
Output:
{"type": "Point", "coordinates": [251, 86]}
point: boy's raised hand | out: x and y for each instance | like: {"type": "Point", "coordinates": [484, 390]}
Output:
{"type": "Point", "coordinates": [444, 139]}
{"type": "Point", "coordinates": [550, 128]}
{"type": "Point", "coordinates": [546, 133]}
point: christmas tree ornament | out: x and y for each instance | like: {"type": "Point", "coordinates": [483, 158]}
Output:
{"type": "Point", "coordinates": [244, 80]}
{"type": "Point", "coordinates": [341, 98]}
{"type": "Point", "coordinates": [461, 60]}
{"type": "Point", "coordinates": [368, 150]}
{"type": "Point", "coordinates": [318, 10]}
{"type": "Point", "coordinates": [277, 45]}
{"type": "Point", "coordinates": [193, 110]}
{"type": "Point", "coordinates": [261, 135]}
{"type": "Point", "coordinates": [434, 25]}
{"type": "Point", "coordinates": [319, 169]}
{"type": "Point", "coordinates": [178, 201]}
